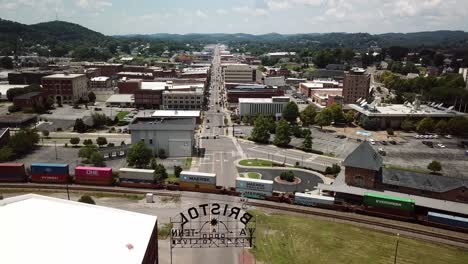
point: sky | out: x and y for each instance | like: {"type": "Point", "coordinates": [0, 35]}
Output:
{"type": "Point", "coordinates": [115, 17]}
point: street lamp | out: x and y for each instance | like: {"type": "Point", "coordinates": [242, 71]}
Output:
{"type": "Point", "coordinates": [396, 249]}
{"type": "Point", "coordinates": [56, 155]}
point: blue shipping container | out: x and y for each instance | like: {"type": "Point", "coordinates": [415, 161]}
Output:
{"type": "Point", "coordinates": [449, 220]}
{"type": "Point", "coordinates": [49, 168]}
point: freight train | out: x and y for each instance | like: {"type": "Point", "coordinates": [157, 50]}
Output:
{"type": "Point", "coordinates": [371, 204]}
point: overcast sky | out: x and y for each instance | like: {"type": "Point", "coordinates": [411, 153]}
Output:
{"type": "Point", "coordinates": [246, 16]}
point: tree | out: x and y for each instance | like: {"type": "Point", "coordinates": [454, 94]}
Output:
{"type": "Point", "coordinates": [160, 172]}
{"type": "Point", "coordinates": [87, 151]}
{"type": "Point", "coordinates": [307, 143]}
{"type": "Point", "coordinates": [24, 141]}
{"type": "Point", "coordinates": [260, 131]}
{"type": "Point", "coordinates": [6, 154]}
{"type": "Point", "coordinates": [45, 133]}
{"type": "Point", "coordinates": [458, 125]}
{"type": "Point", "coordinates": [97, 159]}
{"type": "Point", "coordinates": [425, 125]}
{"type": "Point", "coordinates": [441, 127]}
{"type": "Point", "coordinates": [334, 169]}
{"type": "Point", "coordinates": [86, 199]}
{"type": "Point", "coordinates": [99, 120]}
{"type": "Point", "coordinates": [74, 141]}
{"type": "Point", "coordinates": [139, 155]}
{"type": "Point", "coordinates": [6, 62]}
{"type": "Point", "coordinates": [79, 126]}
{"type": "Point", "coordinates": [307, 116]}
{"type": "Point", "coordinates": [91, 97]}
{"type": "Point", "coordinates": [291, 112]}
{"type": "Point", "coordinates": [282, 135]}
{"type": "Point", "coordinates": [87, 142]}
{"type": "Point", "coordinates": [153, 163]}
{"type": "Point", "coordinates": [101, 141]}
{"type": "Point", "coordinates": [324, 118]}
{"type": "Point", "coordinates": [407, 125]}
{"type": "Point", "coordinates": [177, 171]}
{"type": "Point", "coordinates": [162, 154]}
{"type": "Point", "coordinates": [13, 108]}
{"type": "Point", "coordinates": [337, 112]}
{"type": "Point", "coordinates": [287, 176]}
{"type": "Point", "coordinates": [349, 117]}
{"type": "Point", "coordinates": [434, 166]}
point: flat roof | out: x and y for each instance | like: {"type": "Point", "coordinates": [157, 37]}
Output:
{"type": "Point", "coordinates": [314, 196]}
{"type": "Point", "coordinates": [63, 76]}
{"type": "Point", "coordinates": [262, 100]}
{"type": "Point", "coordinates": [121, 98]}
{"type": "Point", "coordinates": [100, 79]}
{"type": "Point", "coordinates": [154, 85]}
{"type": "Point", "coordinates": [39, 229]}
{"type": "Point", "coordinates": [136, 170]}
{"type": "Point", "coordinates": [176, 113]}
{"type": "Point", "coordinates": [5, 87]}
{"type": "Point", "coordinates": [401, 110]}
{"type": "Point", "coordinates": [196, 173]}
{"type": "Point", "coordinates": [389, 197]}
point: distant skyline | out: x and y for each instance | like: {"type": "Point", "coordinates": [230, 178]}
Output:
{"type": "Point", "coordinates": [115, 17]}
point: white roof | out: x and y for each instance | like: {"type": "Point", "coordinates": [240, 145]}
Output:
{"type": "Point", "coordinates": [39, 229]}
{"type": "Point", "coordinates": [121, 98]}
{"type": "Point", "coordinates": [312, 85]}
{"type": "Point", "coordinates": [400, 110]}
{"type": "Point", "coordinates": [196, 173]}
{"type": "Point", "coordinates": [136, 170]}
{"type": "Point", "coordinates": [5, 87]}
{"type": "Point", "coordinates": [100, 79]}
{"type": "Point", "coordinates": [154, 85]}
{"type": "Point", "coordinates": [284, 53]}
{"type": "Point", "coordinates": [175, 113]}
{"type": "Point", "coordinates": [262, 100]}
{"type": "Point", "coordinates": [314, 196]}
{"type": "Point", "coordinates": [63, 76]}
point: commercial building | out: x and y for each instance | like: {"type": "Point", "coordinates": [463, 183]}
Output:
{"type": "Point", "coordinates": [101, 82]}
{"type": "Point", "coordinates": [263, 106]}
{"type": "Point", "coordinates": [190, 114]}
{"type": "Point", "coordinates": [356, 85]}
{"type": "Point", "coordinates": [107, 69]}
{"type": "Point", "coordinates": [174, 135]}
{"type": "Point", "coordinates": [281, 55]}
{"type": "Point", "coordinates": [307, 88]}
{"type": "Point", "coordinates": [252, 91]}
{"type": "Point", "coordinates": [127, 86]}
{"type": "Point", "coordinates": [392, 115]}
{"type": "Point", "coordinates": [173, 99]}
{"type": "Point", "coordinates": [136, 75]}
{"type": "Point", "coordinates": [238, 73]}
{"type": "Point", "coordinates": [27, 77]}
{"type": "Point", "coordinates": [30, 100]}
{"type": "Point", "coordinates": [17, 120]}
{"type": "Point", "coordinates": [66, 88]}
{"type": "Point", "coordinates": [5, 87]}
{"type": "Point", "coordinates": [121, 100]}
{"type": "Point", "coordinates": [33, 225]}
{"type": "Point", "coordinates": [320, 97]}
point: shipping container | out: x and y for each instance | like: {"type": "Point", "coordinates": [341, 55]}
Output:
{"type": "Point", "coordinates": [49, 168]}
{"type": "Point", "coordinates": [312, 199]}
{"type": "Point", "coordinates": [388, 201]}
{"type": "Point", "coordinates": [136, 175]}
{"type": "Point", "coordinates": [254, 184]}
{"type": "Point", "coordinates": [50, 178]}
{"type": "Point", "coordinates": [193, 186]}
{"type": "Point", "coordinates": [449, 220]}
{"type": "Point", "coordinates": [12, 172]}
{"type": "Point", "coordinates": [93, 175]}
{"type": "Point", "coordinates": [254, 194]}
{"type": "Point", "coordinates": [198, 177]}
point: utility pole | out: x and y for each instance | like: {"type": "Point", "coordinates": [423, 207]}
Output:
{"type": "Point", "coordinates": [396, 249]}
{"type": "Point", "coordinates": [56, 155]}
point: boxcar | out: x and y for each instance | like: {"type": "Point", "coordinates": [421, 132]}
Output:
{"type": "Point", "coordinates": [136, 175]}
{"type": "Point", "coordinates": [198, 177]}
{"type": "Point", "coordinates": [93, 175]}
{"type": "Point", "coordinates": [12, 172]}
{"type": "Point", "coordinates": [49, 173]}
{"type": "Point", "coordinates": [448, 220]}
{"type": "Point", "coordinates": [254, 185]}
{"type": "Point", "coordinates": [312, 199]}
{"type": "Point", "coordinates": [388, 201]}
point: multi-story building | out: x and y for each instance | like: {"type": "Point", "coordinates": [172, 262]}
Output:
{"type": "Point", "coordinates": [263, 106]}
{"type": "Point", "coordinates": [136, 75]}
{"type": "Point", "coordinates": [250, 91]}
{"type": "Point", "coordinates": [307, 88]}
{"type": "Point", "coordinates": [321, 96]}
{"type": "Point", "coordinates": [356, 85]}
{"type": "Point", "coordinates": [127, 86]}
{"type": "Point", "coordinates": [107, 69]}
{"type": "Point", "coordinates": [66, 88]}
{"type": "Point", "coordinates": [27, 77]}
{"type": "Point", "coordinates": [100, 82]}
{"type": "Point", "coordinates": [29, 101]}
{"type": "Point", "coordinates": [238, 73]}
{"type": "Point", "coordinates": [187, 100]}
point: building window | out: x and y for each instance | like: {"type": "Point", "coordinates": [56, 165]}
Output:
{"type": "Point", "coordinates": [151, 141]}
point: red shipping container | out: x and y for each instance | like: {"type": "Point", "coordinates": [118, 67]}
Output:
{"type": "Point", "coordinates": [12, 172]}
{"type": "Point", "coordinates": [50, 178]}
{"type": "Point", "coordinates": [93, 175]}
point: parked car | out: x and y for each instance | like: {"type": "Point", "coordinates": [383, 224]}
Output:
{"type": "Point", "coordinates": [428, 143]}
{"type": "Point", "coordinates": [97, 109]}
{"type": "Point", "coordinates": [372, 141]}
{"type": "Point", "coordinates": [448, 136]}
{"type": "Point", "coordinates": [383, 142]}
{"type": "Point", "coordinates": [441, 145]}
{"type": "Point", "coordinates": [393, 142]}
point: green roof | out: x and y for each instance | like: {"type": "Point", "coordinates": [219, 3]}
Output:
{"type": "Point", "coordinates": [389, 197]}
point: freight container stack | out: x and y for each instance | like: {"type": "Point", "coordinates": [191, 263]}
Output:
{"type": "Point", "coordinates": [136, 175]}
{"type": "Point", "coordinates": [197, 181]}
{"type": "Point", "coordinates": [312, 199]}
{"type": "Point", "coordinates": [12, 172]}
{"type": "Point", "coordinates": [49, 173]}
{"type": "Point", "coordinates": [389, 205]}
{"type": "Point", "coordinates": [253, 188]}
{"type": "Point", "coordinates": [447, 220]}
{"type": "Point", "coordinates": [93, 175]}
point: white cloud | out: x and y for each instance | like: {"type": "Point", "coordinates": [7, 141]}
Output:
{"type": "Point", "coordinates": [93, 4]}
{"type": "Point", "coordinates": [200, 13]}
{"type": "Point", "coordinates": [221, 11]}
{"type": "Point", "coordinates": [245, 10]}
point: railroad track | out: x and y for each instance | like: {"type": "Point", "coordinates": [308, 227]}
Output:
{"type": "Point", "coordinates": [281, 207]}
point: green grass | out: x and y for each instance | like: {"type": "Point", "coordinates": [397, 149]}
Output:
{"type": "Point", "coordinates": [164, 231]}
{"type": "Point", "coordinates": [417, 170]}
{"type": "Point", "coordinates": [251, 175]}
{"type": "Point", "coordinates": [171, 178]}
{"type": "Point", "coordinates": [257, 163]}
{"type": "Point", "coordinates": [122, 115]}
{"type": "Point", "coordinates": [285, 239]}
{"type": "Point", "coordinates": [187, 164]}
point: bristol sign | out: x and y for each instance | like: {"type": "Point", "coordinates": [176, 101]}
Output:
{"type": "Point", "coordinates": [213, 225]}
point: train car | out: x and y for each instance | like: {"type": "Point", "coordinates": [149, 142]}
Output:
{"type": "Point", "coordinates": [254, 188]}
{"type": "Point", "coordinates": [12, 172]}
{"type": "Point", "coordinates": [387, 201]}
{"type": "Point", "coordinates": [136, 175]}
{"type": "Point", "coordinates": [312, 199]}
{"type": "Point", "coordinates": [93, 175]}
{"type": "Point", "coordinates": [50, 173]}
{"type": "Point", "coordinates": [197, 181]}
{"type": "Point", "coordinates": [447, 220]}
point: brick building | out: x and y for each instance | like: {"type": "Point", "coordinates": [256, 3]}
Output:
{"type": "Point", "coordinates": [65, 88]}
{"type": "Point", "coordinates": [128, 86]}
{"type": "Point", "coordinates": [364, 168]}
{"type": "Point", "coordinates": [356, 85]}
{"type": "Point", "coordinates": [27, 77]}
{"type": "Point", "coordinates": [234, 94]}
{"type": "Point", "coordinates": [100, 82]}
{"type": "Point", "coordinates": [30, 100]}
{"type": "Point", "coordinates": [136, 75]}
{"type": "Point", "coordinates": [107, 69]}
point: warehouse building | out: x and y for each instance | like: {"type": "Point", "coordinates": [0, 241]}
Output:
{"type": "Point", "coordinates": [40, 229]}
{"type": "Point", "coordinates": [173, 134]}
{"type": "Point", "coordinates": [174, 99]}
{"type": "Point", "coordinates": [238, 73]}
{"type": "Point", "coordinates": [263, 106]}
